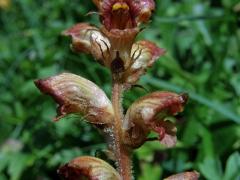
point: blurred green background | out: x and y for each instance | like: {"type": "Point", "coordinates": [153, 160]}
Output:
{"type": "Point", "coordinates": [202, 39]}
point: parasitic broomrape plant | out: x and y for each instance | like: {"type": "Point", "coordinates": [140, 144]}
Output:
{"type": "Point", "coordinates": [113, 46]}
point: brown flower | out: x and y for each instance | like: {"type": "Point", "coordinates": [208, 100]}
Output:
{"type": "Point", "coordinates": [143, 55]}
{"type": "Point", "coordinates": [149, 113]}
{"type": "Point", "coordinates": [77, 95]}
{"type": "Point", "coordinates": [89, 39]}
{"type": "Point", "coordinates": [124, 14]}
{"type": "Point", "coordinates": [87, 167]}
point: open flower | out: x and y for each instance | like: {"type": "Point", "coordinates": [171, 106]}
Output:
{"type": "Point", "coordinates": [124, 14]}
{"type": "Point", "coordinates": [149, 113]}
{"type": "Point", "coordinates": [88, 39]}
{"type": "Point", "coordinates": [78, 95]}
{"type": "Point", "coordinates": [143, 55]}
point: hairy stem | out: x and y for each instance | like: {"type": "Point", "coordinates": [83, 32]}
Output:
{"type": "Point", "coordinates": [121, 152]}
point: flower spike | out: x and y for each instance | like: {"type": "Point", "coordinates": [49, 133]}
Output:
{"type": "Point", "coordinates": [77, 95]}
{"type": "Point", "coordinates": [114, 46]}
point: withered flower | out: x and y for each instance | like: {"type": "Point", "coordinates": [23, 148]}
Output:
{"type": "Point", "coordinates": [149, 113]}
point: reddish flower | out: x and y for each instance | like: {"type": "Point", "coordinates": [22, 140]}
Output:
{"type": "Point", "coordinates": [87, 167]}
{"type": "Point", "coordinates": [78, 95]}
{"type": "Point", "coordinates": [143, 55]}
{"type": "Point", "coordinates": [149, 113]}
{"type": "Point", "coordinates": [124, 14]}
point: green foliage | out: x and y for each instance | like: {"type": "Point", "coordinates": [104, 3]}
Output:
{"type": "Point", "coordinates": [202, 39]}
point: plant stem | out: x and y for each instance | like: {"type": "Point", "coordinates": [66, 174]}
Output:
{"type": "Point", "coordinates": [122, 154]}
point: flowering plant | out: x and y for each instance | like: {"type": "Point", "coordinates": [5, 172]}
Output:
{"type": "Point", "coordinates": [113, 45]}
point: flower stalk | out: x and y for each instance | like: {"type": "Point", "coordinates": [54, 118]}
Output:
{"type": "Point", "coordinates": [123, 155]}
